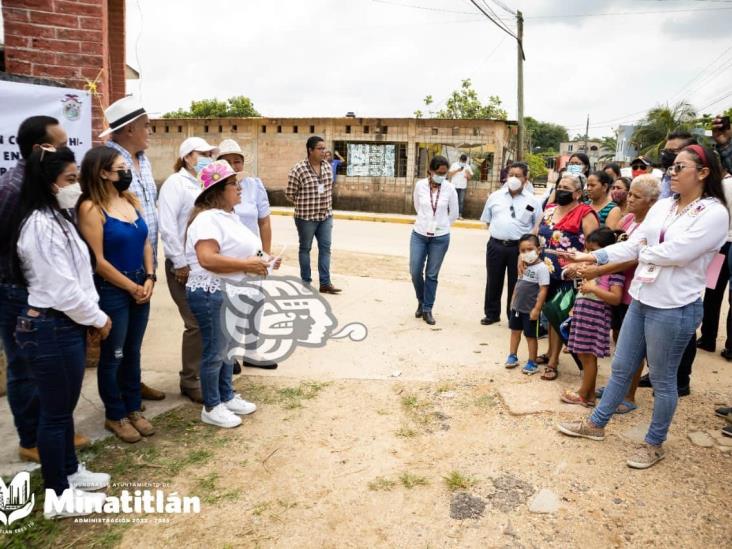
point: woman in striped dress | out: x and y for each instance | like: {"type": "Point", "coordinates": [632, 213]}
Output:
{"type": "Point", "coordinates": [589, 335]}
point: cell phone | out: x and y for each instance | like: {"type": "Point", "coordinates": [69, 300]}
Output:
{"type": "Point", "coordinates": [725, 123]}
{"type": "Point", "coordinates": [529, 207]}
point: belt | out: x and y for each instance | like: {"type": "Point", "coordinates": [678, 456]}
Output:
{"type": "Point", "coordinates": [505, 242]}
{"type": "Point", "coordinates": [46, 313]}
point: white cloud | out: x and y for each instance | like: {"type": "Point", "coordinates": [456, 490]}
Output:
{"type": "Point", "coordinates": [327, 57]}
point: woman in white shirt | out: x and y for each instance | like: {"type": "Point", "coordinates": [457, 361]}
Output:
{"type": "Point", "coordinates": [62, 307]}
{"type": "Point", "coordinates": [436, 204]}
{"type": "Point", "coordinates": [175, 203]}
{"type": "Point", "coordinates": [674, 246]}
{"type": "Point", "coordinates": [218, 246]}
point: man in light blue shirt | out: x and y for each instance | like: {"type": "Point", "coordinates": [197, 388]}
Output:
{"type": "Point", "coordinates": [510, 212]}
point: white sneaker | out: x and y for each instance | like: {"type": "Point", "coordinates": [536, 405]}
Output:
{"type": "Point", "coordinates": [240, 406]}
{"type": "Point", "coordinates": [82, 504]}
{"type": "Point", "coordinates": [220, 416]}
{"type": "Point", "coordinates": [84, 479]}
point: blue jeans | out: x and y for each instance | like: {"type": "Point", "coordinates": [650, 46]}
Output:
{"type": "Point", "coordinates": [118, 374]}
{"type": "Point", "coordinates": [430, 250]}
{"type": "Point", "coordinates": [461, 200]}
{"type": "Point", "coordinates": [216, 372]}
{"type": "Point", "coordinates": [55, 348]}
{"type": "Point", "coordinates": [322, 231]}
{"type": "Point", "coordinates": [661, 335]}
{"type": "Point", "coordinates": [22, 391]}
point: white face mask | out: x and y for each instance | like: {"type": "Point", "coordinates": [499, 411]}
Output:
{"type": "Point", "coordinates": [68, 196]}
{"type": "Point", "coordinates": [529, 257]}
{"type": "Point", "coordinates": [514, 183]}
{"type": "Point", "coordinates": [438, 179]}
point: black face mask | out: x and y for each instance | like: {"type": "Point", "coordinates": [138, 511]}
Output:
{"type": "Point", "coordinates": [124, 181]}
{"type": "Point", "coordinates": [667, 158]}
{"type": "Point", "coordinates": [564, 197]}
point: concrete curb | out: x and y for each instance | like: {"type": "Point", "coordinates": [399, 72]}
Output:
{"type": "Point", "coordinates": [382, 218]}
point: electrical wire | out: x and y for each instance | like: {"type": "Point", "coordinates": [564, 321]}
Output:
{"type": "Point", "coordinates": [715, 101]}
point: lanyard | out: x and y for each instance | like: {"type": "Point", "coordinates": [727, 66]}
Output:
{"type": "Point", "coordinates": [437, 199]}
{"type": "Point", "coordinates": [666, 225]}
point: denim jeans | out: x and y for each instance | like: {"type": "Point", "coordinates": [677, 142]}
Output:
{"type": "Point", "coordinates": [461, 200]}
{"type": "Point", "coordinates": [55, 348]}
{"type": "Point", "coordinates": [430, 250]}
{"type": "Point", "coordinates": [322, 231]}
{"type": "Point", "coordinates": [22, 391]}
{"type": "Point", "coordinates": [661, 335]}
{"type": "Point", "coordinates": [216, 372]}
{"type": "Point", "coordinates": [118, 374]}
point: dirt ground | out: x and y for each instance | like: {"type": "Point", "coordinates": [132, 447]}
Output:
{"type": "Point", "coordinates": [416, 437]}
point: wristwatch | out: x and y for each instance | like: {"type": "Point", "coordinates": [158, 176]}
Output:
{"type": "Point", "coordinates": [152, 277]}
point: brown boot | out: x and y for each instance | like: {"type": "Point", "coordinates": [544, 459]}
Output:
{"type": "Point", "coordinates": [194, 393]}
{"type": "Point", "coordinates": [29, 454]}
{"type": "Point", "coordinates": [80, 441]}
{"type": "Point", "coordinates": [148, 393]}
{"type": "Point", "coordinates": [143, 426]}
{"type": "Point", "coordinates": [123, 429]}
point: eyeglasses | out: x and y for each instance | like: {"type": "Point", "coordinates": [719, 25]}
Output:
{"type": "Point", "coordinates": [46, 149]}
{"type": "Point", "coordinates": [678, 166]}
{"type": "Point", "coordinates": [638, 167]}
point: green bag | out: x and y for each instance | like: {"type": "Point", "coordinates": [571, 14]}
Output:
{"type": "Point", "coordinates": [556, 310]}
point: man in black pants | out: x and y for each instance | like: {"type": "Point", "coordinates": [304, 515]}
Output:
{"type": "Point", "coordinates": [509, 213]}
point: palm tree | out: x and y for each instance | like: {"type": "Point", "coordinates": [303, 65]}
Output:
{"type": "Point", "coordinates": [609, 145]}
{"type": "Point", "coordinates": [650, 135]}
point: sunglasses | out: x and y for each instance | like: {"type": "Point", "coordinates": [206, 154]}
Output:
{"type": "Point", "coordinates": [678, 166]}
{"type": "Point", "coordinates": [513, 212]}
{"type": "Point", "coordinates": [638, 167]}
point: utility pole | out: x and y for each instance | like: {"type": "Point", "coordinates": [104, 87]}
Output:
{"type": "Point", "coordinates": [587, 131]}
{"type": "Point", "coordinates": [520, 84]}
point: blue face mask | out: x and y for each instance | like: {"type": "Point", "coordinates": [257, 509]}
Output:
{"type": "Point", "coordinates": [203, 161]}
{"type": "Point", "coordinates": [574, 168]}
{"type": "Point", "coordinates": [438, 179]}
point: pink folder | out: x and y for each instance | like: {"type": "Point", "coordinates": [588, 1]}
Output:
{"type": "Point", "coordinates": [713, 271]}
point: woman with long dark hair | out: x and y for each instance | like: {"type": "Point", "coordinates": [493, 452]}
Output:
{"type": "Point", "coordinates": [110, 220]}
{"type": "Point", "coordinates": [674, 246]}
{"type": "Point", "coordinates": [55, 264]}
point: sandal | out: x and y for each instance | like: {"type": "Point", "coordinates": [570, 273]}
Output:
{"type": "Point", "coordinates": [550, 373]}
{"type": "Point", "coordinates": [572, 397]}
{"type": "Point", "coordinates": [626, 407]}
{"type": "Point", "coordinates": [542, 359]}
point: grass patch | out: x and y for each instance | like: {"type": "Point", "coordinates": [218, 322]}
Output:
{"type": "Point", "coordinates": [405, 432]}
{"type": "Point", "coordinates": [455, 480]}
{"type": "Point", "coordinates": [485, 401]}
{"type": "Point", "coordinates": [418, 411]}
{"type": "Point", "coordinates": [209, 486]}
{"type": "Point", "coordinates": [381, 484]}
{"type": "Point", "coordinates": [287, 397]}
{"type": "Point", "coordinates": [445, 387]}
{"type": "Point", "coordinates": [410, 481]}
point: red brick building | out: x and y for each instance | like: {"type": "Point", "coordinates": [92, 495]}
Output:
{"type": "Point", "coordinates": [71, 42]}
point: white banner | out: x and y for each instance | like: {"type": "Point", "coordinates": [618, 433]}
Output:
{"type": "Point", "coordinates": [18, 101]}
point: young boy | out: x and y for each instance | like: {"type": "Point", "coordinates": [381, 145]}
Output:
{"type": "Point", "coordinates": [528, 299]}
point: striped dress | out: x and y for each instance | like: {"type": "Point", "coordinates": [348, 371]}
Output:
{"type": "Point", "coordinates": [590, 331]}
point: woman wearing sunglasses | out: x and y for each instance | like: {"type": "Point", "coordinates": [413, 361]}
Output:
{"type": "Point", "coordinates": [51, 333]}
{"type": "Point", "coordinates": [674, 247]}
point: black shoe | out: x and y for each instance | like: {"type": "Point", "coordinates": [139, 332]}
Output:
{"type": "Point", "coordinates": [272, 366]}
{"type": "Point", "coordinates": [418, 312]}
{"type": "Point", "coordinates": [684, 391]}
{"type": "Point", "coordinates": [237, 368]}
{"type": "Point", "coordinates": [726, 354]}
{"type": "Point", "coordinates": [485, 321]}
{"type": "Point", "coordinates": [704, 346]}
{"type": "Point", "coordinates": [726, 413]}
{"type": "Point", "coordinates": [428, 318]}
{"type": "Point", "coordinates": [645, 381]}
{"type": "Point", "coordinates": [727, 431]}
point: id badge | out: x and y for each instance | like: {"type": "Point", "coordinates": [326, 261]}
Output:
{"type": "Point", "coordinates": [321, 188]}
{"type": "Point", "coordinates": [648, 274]}
{"type": "Point", "coordinates": [432, 228]}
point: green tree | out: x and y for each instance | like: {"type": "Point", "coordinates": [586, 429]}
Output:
{"type": "Point", "coordinates": [545, 136]}
{"type": "Point", "coordinates": [465, 104]}
{"type": "Point", "coordinates": [235, 107]}
{"type": "Point", "coordinates": [537, 167]}
{"type": "Point", "coordinates": [650, 135]}
{"type": "Point", "coordinates": [610, 144]}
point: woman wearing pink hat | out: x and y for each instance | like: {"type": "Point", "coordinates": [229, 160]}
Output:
{"type": "Point", "coordinates": [175, 203]}
{"type": "Point", "coordinates": [218, 248]}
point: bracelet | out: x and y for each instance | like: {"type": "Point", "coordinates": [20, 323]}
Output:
{"type": "Point", "coordinates": [152, 277]}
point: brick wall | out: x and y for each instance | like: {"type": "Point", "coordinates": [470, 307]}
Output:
{"type": "Point", "coordinates": [71, 42]}
{"type": "Point", "coordinates": [272, 146]}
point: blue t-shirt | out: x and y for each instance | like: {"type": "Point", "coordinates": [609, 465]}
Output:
{"type": "Point", "coordinates": [334, 166]}
{"type": "Point", "coordinates": [254, 203]}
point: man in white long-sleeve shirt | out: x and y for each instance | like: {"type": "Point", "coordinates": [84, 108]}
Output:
{"type": "Point", "coordinates": [175, 203]}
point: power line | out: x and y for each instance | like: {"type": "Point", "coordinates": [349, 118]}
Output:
{"type": "Point", "coordinates": [496, 23]}
{"type": "Point", "coordinates": [685, 86]}
{"type": "Point", "coordinates": [716, 101]}
{"type": "Point", "coordinates": [505, 8]}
